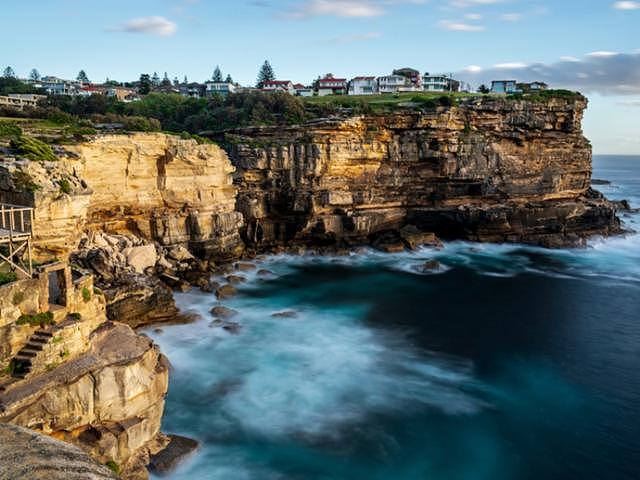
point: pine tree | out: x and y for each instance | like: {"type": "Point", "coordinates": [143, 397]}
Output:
{"type": "Point", "coordinates": [266, 74]}
{"type": "Point", "coordinates": [9, 73]}
{"type": "Point", "coordinates": [155, 79]}
{"type": "Point", "coordinates": [185, 81]}
{"type": "Point", "coordinates": [229, 79]}
{"type": "Point", "coordinates": [217, 75]}
{"type": "Point", "coordinates": [145, 84]}
{"type": "Point", "coordinates": [176, 82]}
{"type": "Point", "coordinates": [82, 77]}
{"type": "Point", "coordinates": [165, 80]}
{"type": "Point", "coordinates": [34, 75]}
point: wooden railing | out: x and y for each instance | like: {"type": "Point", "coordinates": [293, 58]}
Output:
{"type": "Point", "coordinates": [16, 220]}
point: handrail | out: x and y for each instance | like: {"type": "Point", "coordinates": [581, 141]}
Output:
{"type": "Point", "coordinates": [16, 218]}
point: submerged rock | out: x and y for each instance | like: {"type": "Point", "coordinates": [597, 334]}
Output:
{"type": "Point", "coordinates": [226, 291]}
{"type": "Point", "coordinates": [223, 312]}
{"type": "Point", "coordinates": [285, 314]}
{"type": "Point", "coordinates": [431, 266]}
{"type": "Point", "coordinates": [245, 267]}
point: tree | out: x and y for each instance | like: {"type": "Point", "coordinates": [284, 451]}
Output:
{"type": "Point", "coordinates": [185, 81]}
{"type": "Point", "coordinates": [82, 77]}
{"type": "Point", "coordinates": [266, 74]}
{"type": "Point", "coordinates": [229, 79]}
{"type": "Point", "coordinates": [9, 73]}
{"type": "Point", "coordinates": [483, 89]}
{"type": "Point", "coordinates": [217, 75]}
{"type": "Point", "coordinates": [34, 75]}
{"type": "Point", "coordinates": [176, 82]}
{"type": "Point", "coordinates": [155, 79]}
{"type": "Point", "coordinates": [165, 80]}
{"type": "Point", "coordinates": [145, 84]}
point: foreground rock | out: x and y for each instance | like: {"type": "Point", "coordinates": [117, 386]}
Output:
{"type": "Point", "coordinates": [27, 455]}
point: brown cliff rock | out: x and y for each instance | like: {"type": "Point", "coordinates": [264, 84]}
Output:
{"type": "Point", "coordinates": [486, 170]}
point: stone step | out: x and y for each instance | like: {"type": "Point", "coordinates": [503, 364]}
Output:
{"type": "Point", "coordinates": [26, 354]}
{"type": "Point", "coordinates": [34, 346]}
{"type": "Point", "coordinates": [43, 333]}
{"type": "Point", "coordinates": [39, 339]}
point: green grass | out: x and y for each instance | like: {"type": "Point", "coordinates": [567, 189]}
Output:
{"type": "Point", "coordinates": [42, 318]}
{"type": "Point", "coordinates": [113, 466]}
{"type": "Point", "coordinates": [33, 149]}
{"type": "Point", "coordinates": [65, 186]}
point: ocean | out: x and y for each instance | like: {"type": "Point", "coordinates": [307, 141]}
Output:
{"type": "Point", "coordinates": [507, 362]}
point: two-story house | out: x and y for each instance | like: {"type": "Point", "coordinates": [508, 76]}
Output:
{"type": "Point", "coordinates": [363, 86]}
{"type": "Point", "coordinates": [279, 86]}
{"type": "Point", "coordinates": [330, 85]}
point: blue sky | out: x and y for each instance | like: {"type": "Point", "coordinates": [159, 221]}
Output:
{"type": "Point", "coordinates": [591, 45]}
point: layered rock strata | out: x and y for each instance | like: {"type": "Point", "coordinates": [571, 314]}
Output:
{"type": "Point", "coordinates": [156, 186]}
{"type": "Point", "coordinates": [486, 170]}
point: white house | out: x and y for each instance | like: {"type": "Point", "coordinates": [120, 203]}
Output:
{"type": "Point", "coordinates": [303, 91]}
{"type": "Point", "coordinates": [279, 86]}
{"type": "Point", "coordinates": [363, 86]}
{"type": "Point", "coordinates": [330, 85]}
{"type": "Point", "coordinates": [219, 88]}
{"type": "Point", "coordinates": [392, 84]}
{"type": "Point", "coordinates": [435, 83]}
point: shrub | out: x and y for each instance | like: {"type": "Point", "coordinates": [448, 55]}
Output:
{"type": "Point", "coordinates": [9, 129]}
{"type": "Point", "coordinates": [65, 186]}
{"type": "Point", "coordinates": [86, 294]}
{"type": "Point", "coordinates": [33, 149]}
{"type": "Point", "coordinates": [64, 354]}
{"type": "Point", "coordinates": [75, 316]}
{"type": "Point", "coordinates": [8, 277]}
{"type": "Point", "coordinates": [56, 340]}
{"type": "Point", "coordinates": [39, 319]}
{"type": "Point", "coordinates": [23, 181]}
{"type": "Point", "coordinates": [18, 298]}
{"type": "Point", "coordinates": [113, 466]}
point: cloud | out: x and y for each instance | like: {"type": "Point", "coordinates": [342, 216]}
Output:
{"type": "Point", "coordinates": [158, 26]}
{"type": "Point", "coordinates": [344, 8]}
{"type": "Point", "coordinates": [354, 38]}
{"type": "Point", "coordinates": [460, 26]}
{"type": "Point", "coordinates": [472, 3]}
{"type": "Point", "coordinates": [511, 17]}
{"type": "Point", "coordinates": [627, 5]}
{"type": "Point", "coordinates": [630, 103]}
{"type": "Point", "coordinates": [606, 73]}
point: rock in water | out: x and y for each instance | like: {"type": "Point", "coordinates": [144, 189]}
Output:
{"type": "Point", "coordinates": [179, 448]}
{"type": "Point", "coordinates": [27, 455]}
{"type": "Point", "coordinates": [223, 312]}
{"type": "Point", "coordinates": [226, 291]}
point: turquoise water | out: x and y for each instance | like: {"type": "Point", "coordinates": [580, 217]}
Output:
{"type": "Point", "coordinates": [509, 362]}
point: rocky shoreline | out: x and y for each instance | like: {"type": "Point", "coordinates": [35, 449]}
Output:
{"type": "Point", "coordinates": [147, 214]}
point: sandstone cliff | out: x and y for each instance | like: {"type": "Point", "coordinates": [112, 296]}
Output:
{"type": "Point", "coordinates": [76, 377]}
{"type": "Point", "coordinates": [487, 170]}
{"type": "Point", "coordinates": [157, 186]}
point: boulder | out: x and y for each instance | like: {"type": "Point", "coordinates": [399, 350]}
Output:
{"type": "Point", "coordinates": [180, 254]}
{"type": "Point", "coordinates": [226, 291]}
{"type": "Point", "coordinates": [245, 267]}
{"type": "Point", "coordinates": [431, 266]}
{"type": "Point", "coordinates": [285, 314]}
{"type": "Point", "coordinates": [141, 258]}
{"type": "Point", "coordinates": [165, 461]}
{"type": "Point", "coordinates": [414, 238]}
{"type": "Point", "coordinates": [235, 279]}
{"type": "Point", "coordinates": [223, 312]}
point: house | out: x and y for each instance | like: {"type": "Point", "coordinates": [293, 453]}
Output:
{"type": "Point", "coordinates": [303, 91]}
{"type": "Point", "coordinates": [192, 90]}
{"type": "Point", "coordinates": [220, 88]}
{"type": "Point", "coordinates": [505, 86]}
{"type": "Point", "coordinates": [279, 86]}
{"type": "Point", "coordinates": [57, 86]}
{"type": "Point", "coordinates": [532, 87]}
{"type": "Point", "coordinates": [89, 89]}
{"type": "Point", "coordinates": [412, 75]}
{"type": "Point", "coordinates": [123, 94]}
{"type": "Point", "coordinates": [439, 83]}
{"type": "Point", "coordinates": [20, 100]}
{"type": "Point", "coordinates": [329, 85]}
{"type": "Point", "coordinates": [363, 86]}
{"type": "Point", "coordinates": [392, 83]}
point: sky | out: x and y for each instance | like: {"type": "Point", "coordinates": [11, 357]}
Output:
{"type": "Point", "coordinates": [587, 45]}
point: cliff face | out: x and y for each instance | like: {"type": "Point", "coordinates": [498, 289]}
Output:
{"type": "Point", "coordinates": [157, 186]}
{"type": "Point", "coordinates": [488, 171]}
